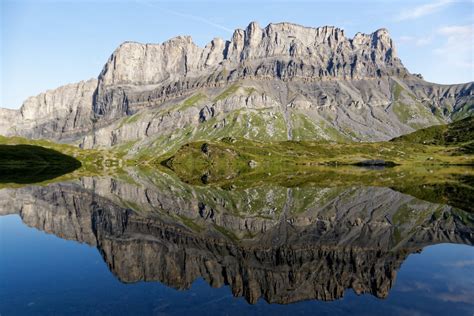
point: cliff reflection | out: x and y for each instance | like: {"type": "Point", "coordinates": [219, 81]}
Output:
{"type": "Point", "coordinates": [272, 242]}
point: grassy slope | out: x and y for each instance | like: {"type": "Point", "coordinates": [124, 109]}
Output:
{"type": "Point", "coordinates": [92, 160]}
{"type": "Point", "coordinates": [265, 124]}
{"type": "Point", "coordinates": [459, 133]}
{"type": "Point", "coordinates": [31, 164]}
{"type": "Point", "coordinates": [225, 156]}
{"type": "Point", "coordinates": [230, 160]}
{"type": "Point", "coordinates": [408, 110]}
{"type": "Point", "coordinates": [31, 155]}
{"type": "Point", "coordinates": [262, 124]}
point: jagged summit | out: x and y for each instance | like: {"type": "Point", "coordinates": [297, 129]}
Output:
{"type": "Point", "coordinates": [320, 52]}
{"type": "Point", "coordinates": [281, 82]}
{"type": "Point", "coordinates": [283, 51]}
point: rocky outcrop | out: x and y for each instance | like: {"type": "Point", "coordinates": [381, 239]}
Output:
{"type": "Point", "coordinates": [7, 121]}
{"type": "Point", "coordinates": [284, 51]}
{"type": "Point", "coordinates": [62, 114]}
{"type": "Point", "coordinates": [299, 83]}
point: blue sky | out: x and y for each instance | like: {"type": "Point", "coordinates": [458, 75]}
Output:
{"type": "Point", "coordinates": [45, 44]}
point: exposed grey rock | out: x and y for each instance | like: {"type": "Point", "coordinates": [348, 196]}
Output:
{"type": "Point", "coordinates": [281, 75]}
{"type": "Point", "coordinates": [7, 121]}
{"type": "Point", "coordinates": [62, 114]}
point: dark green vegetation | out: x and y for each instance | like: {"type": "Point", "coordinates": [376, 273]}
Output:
{"type": "Point", "coordinates": [31, 164]}
{"type": "Point", "coordinates": [17, 156]}
{"type": "Point", "coordinates": [415, 164]}
{"type": "Point", "coordinates": [452, 185]}
{"type": "Point", "coordinates": [228, 158]}
{"type": "Point", "coordinates": [224, 160]}
{"type": "Point", "coordinates": [457, 191]}
{"type": "Point", "coordinates": [459, 133]}
{"type": "Point", "coordinates": [93, 160]}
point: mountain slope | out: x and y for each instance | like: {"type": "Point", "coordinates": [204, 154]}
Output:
{"type": "Point", "coordinates": [30, 164]}
{"type": "Point", "coordinates": [281, 82]}
{"type": "Point", "coordinates": [456, 133]}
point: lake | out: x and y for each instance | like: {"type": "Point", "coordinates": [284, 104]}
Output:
{"type": "Point", "coordinates": [148, 242]}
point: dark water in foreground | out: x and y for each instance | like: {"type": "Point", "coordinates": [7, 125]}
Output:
{"type": "Point", "coordinates": [150, 244]}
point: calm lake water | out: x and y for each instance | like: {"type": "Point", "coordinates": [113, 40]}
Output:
{"type": "Point", "coordinates": [148, 243]}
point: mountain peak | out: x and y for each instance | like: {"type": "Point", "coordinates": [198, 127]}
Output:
{"type": "Point", "coordinates": [314, 71]}
{"type": "Point", "coordinates": [324, 49]}
{"type": "Point", "coordinates": [284, 51]}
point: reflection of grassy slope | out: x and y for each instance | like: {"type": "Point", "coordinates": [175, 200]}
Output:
{"type": "Point", "coordinates": [30, 164]}
{"type": "Point", "coordinates": [33, 174]}
{"type": "Point", "coordinates": [455, 193]}
{"type": "Point", "coordinates": [434, 183]}
{"type": "Point", "coordinates": [309, 195]}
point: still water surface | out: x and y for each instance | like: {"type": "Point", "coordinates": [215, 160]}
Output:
{"type": "Point", "coordinates": [151, 244]}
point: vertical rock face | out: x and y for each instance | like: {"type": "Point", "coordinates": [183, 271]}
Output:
{"type": "Point", "coordinates": [7, 119]}
{"type": "Point", "coordinates": [281, 50]}
{"type": "Point", "coordinates": [325, 49]}
{"type": "Point", "coordinates": [60, 114]}
{"type": "Point", "coordinates": [353, 86]}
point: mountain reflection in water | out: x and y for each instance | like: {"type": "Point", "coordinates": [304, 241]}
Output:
{"type": "Point", "coordinates": [282, 244]}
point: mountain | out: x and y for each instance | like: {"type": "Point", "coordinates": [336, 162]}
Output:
{"type": "Point", "coordinates": [281, 82]}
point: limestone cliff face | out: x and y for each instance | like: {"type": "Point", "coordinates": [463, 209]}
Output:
{"type": "Point", "coordinates": [325, 50]}
{"type": "Point", "coordinates": [7, 120]}
{"type": "Point", "coordinates": [281, 82]}
{"type": "Point", "coordinates": [62, 114]}
{"type": "Point", "coordinates": [284, 51]}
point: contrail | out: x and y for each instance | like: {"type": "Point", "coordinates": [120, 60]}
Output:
{"type": "Point", "coordinates": [189, 16]}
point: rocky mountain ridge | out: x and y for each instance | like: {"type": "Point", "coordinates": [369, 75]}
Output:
{"type": "Point", "coordinates": [281, 82]}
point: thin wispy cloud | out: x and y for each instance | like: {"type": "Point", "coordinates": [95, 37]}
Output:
{"type": "Point", "coordinates": [417, 41]}
{"type": "Point", "coordinates": [457, 30]}
{"type": "Point", "coordinates": [423, 10]}
{"type": "Point", "coordinates": [187, 16]}
{"type": "Point", "coordinates": [200, 19]}
{"type": "Point", "coordinates": [463, 297]}
{"type": "Point", "coordinates": [457, 47]}
{"type": "Point", "coordinates": [460, 264]}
